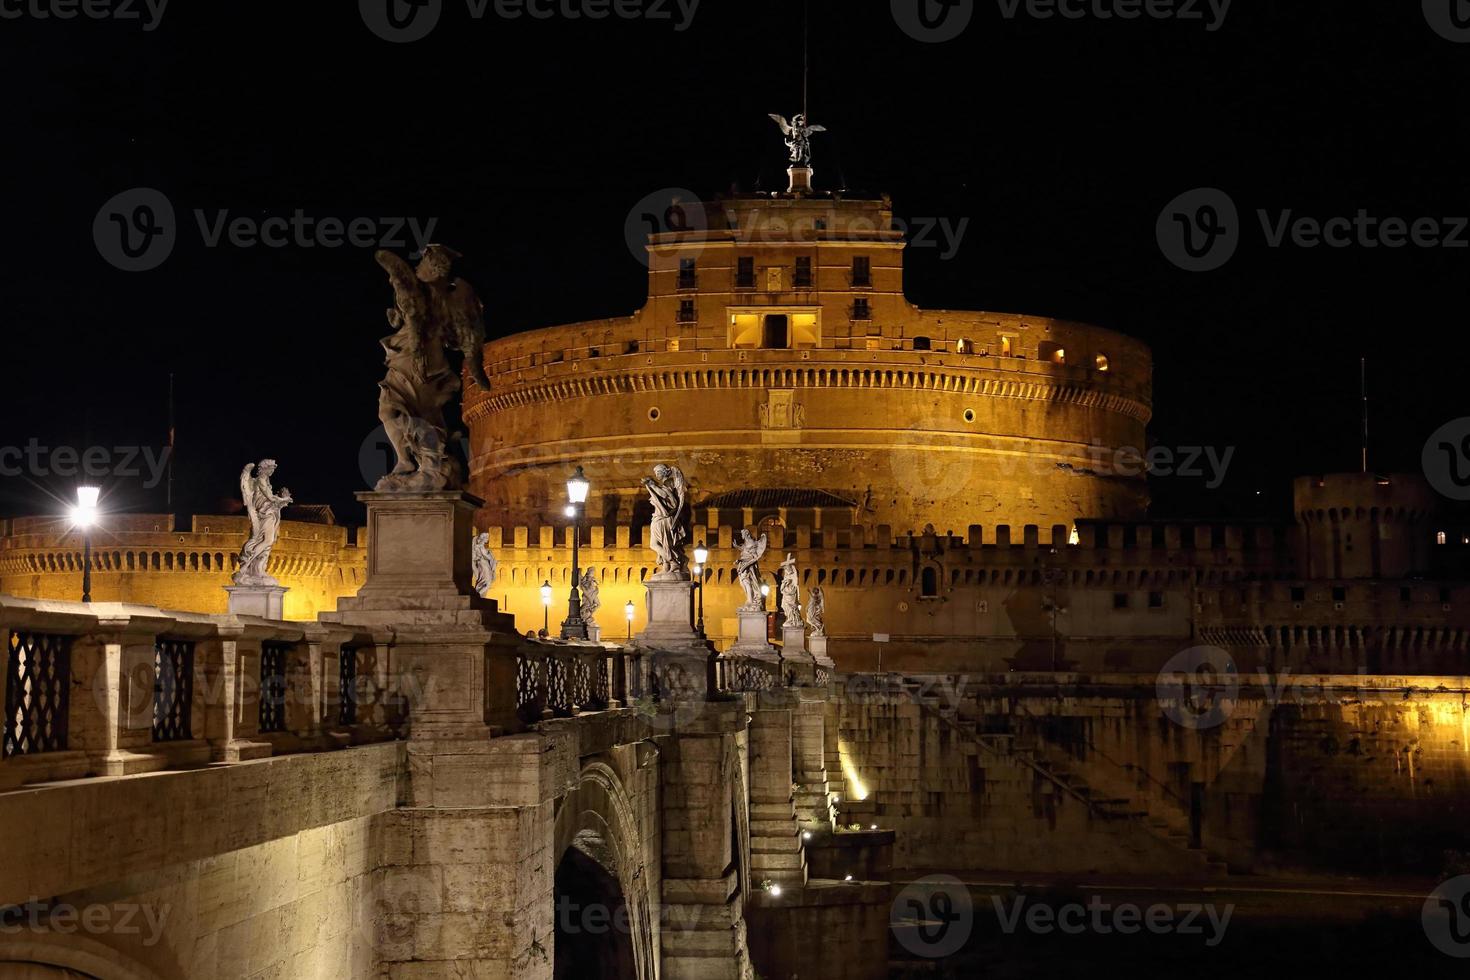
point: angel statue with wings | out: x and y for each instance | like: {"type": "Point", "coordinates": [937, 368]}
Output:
{"type": "Point", "coordinates": [798, 137]}
{"type": "Point", "coordinates": [432, 311]}
{"type": "Point", "coordinates": [816, 611]}
{"type": "Point", "coordinates": [748, 569]}
{"type": "Point", "coordinates": [264, 508]}
{"type": "Point", "coordinates": [669, 493]}
{"type": "Point", "coordinates": [483, 563]}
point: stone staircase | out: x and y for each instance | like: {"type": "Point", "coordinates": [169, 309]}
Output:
{"type": "Point", "coordinates": [776, 851]}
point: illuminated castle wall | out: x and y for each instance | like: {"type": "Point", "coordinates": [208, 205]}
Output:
{"type": "Point", "coordinates": [777, 351]}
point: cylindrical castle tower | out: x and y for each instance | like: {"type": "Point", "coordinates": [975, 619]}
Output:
{"type": "Point", "coordinates": [777, 351]}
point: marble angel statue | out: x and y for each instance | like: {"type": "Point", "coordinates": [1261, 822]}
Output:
{"type": "Point", "coordinates": [264, 508]}
{"type": "Point", "coordinates": [484, 564]}
{"type": "Point", "coordinates": [747, 568]}
{"type": "Point", "coordinates": [669, 493]}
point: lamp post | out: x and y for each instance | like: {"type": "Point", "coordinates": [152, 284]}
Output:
{"type": "Point", "coordinates": [628, 610]}
{"type": "Point", "coordinates": [84, 516]}
{"type": "Point", "coordinates": [577, 487]}
{"type": "Point", "coordinates": [701, 556]}
{"type": "Point", "coordinates": [546, 608]}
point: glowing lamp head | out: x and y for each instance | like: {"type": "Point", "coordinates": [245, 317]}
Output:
{"type": "Point", "coordinates": [84, 514]}
{"type": "Point", "coordinates": [628, 610]}
{"type": "Point", "coordinates": [775, 891]}
{"type": "Point", "coordinates": [546, 593]}
{"type": "Point", "coordinates": [571, 510]}
{"type": "Point", "coordinates": [765, 589]}
{"type": "Point", "coordinates": [577, 487]}
{"type": "Point", "coordinates": [701, 553]}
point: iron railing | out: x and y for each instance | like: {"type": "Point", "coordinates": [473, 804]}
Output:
{"type": "Point", "coordinates": [38, 693]}
{"type": "Point", "coordinates": [173, 690]}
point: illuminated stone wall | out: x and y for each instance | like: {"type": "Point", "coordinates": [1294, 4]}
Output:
{"type": "Point", "coordinates": [143, 559]}
{"type": "Point", "coordinates": [915, 416]}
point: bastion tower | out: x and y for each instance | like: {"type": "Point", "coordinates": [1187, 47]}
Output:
{"type": "Point", "coordinates": [777, 354]}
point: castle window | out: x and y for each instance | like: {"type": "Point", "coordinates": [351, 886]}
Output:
{"type": "Point", "coordinates": [921, 343]}
{"type": "Point", "coordinates": [862, 271]}
{"type": "Point", "coordinates": [964, 346]}
{"type": "Point", "coordinates": [1298, 594]}
{"type": "Point", "coordinates": [804, 272]}
{"type": "Point", "coordinates": [1156, 600]}
{"type": "Point", "coordinates": [1120, 600]}
{"type": "Point", "coordinates": [632, 347]}
{"type": "Point", "coordinates": [745, 272]}
{"type": "Point", "coordinates": [861, 311]}
{"type": "Point", "coordinates": [688, 277]}
{"type": "Point", "coordinates": [1406, 594]}
{"type": "Point", "coordinates": [1007, 348]}
{"type": "Point", "coordinates": [929, 583]}
{"type": "Point", "coordinates": [1440, 538]}
{"type": "Point", "coordinates": [1055, 353]}
{"type": "Point", "coordinates": [1102, 362]}
{"type": "Point", "coordinates": [1339, 594]}
{"type": "Point", "coordinates": [686, 311]}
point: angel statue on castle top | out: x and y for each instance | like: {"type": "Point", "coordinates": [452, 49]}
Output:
{"type": "Point", "coordinates": [798, 137]}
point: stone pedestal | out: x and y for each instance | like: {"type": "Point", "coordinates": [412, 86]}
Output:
{"type": "Point", "coordinates": [801, 180]}
{"type": "Point", "coordinates": [751, 640]}
{"type": "Point", "coordinates": [453, 660]}
{"type": "Point", "coordinates": [818, 646]}
{"type": "Point", "coordinates": [794, 657]}
{"type": "Point", "coordinates": [594, 632]}
{"type": "Point", "coordinates": [668, 613]}
{"type": "Point", "coordinates": [265, 601]}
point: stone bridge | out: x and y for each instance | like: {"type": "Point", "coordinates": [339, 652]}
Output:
{"type": "Point", "coordinates": [411, 789]}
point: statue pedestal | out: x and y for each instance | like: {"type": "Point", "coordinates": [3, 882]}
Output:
{"type": "Point", "coordinates": [751, 640]}
{"type": "Point", "coordinates": [818, 646]}
{"type": "Point", "coordinates": [801, 180]}
{"type": "Point", "coordinates": [264, 601]}
{"type": "Point", "coordinates": [454, 652]}
{"type": "Point", "coordinates": [668, 613]}
{"type": "Point", "coordinates": [594, 632]}
{"type": "Point", "coordinates": [794, 656]}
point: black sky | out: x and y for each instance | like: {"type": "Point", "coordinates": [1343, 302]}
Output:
{"type": "Point", "coordinates": [529, 141]}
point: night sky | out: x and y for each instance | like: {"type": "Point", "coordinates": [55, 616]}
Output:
{"type": "Point", "coordinates": [1061, 141]}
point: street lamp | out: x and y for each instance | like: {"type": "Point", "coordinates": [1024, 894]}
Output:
{"type": "Point", "coordinates": [85, 516]}
{"type": "Point", "coordinates": [628, 610]}
{"type": "Point", "coordinates": [701, 555]}
{"type": "Point", "coordinates": [577, 487]}
{"type": "Point", "coordinates": [546, 608]}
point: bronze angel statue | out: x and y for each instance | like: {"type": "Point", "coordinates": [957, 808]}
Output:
{"type": "Point", "coordinates": [432, 311]}
{"type": "Point", "coordinates": [798, 137]}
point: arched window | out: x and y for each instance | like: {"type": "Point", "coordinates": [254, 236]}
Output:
{"type": "Point", "coordinates": [1048, 351]}
{"type": "Point", "coordinates": [921, 343]}
{"type": "Point", "coordinates": [1102, 362]}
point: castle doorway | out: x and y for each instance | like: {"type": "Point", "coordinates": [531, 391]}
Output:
{"type": "Point", "coordinates": [777, 332]}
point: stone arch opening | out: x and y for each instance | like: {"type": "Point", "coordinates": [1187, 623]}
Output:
{"type": "Point", "coordinates": [593, 935]}
{"type": "Point", "coordinates": [602, 905]}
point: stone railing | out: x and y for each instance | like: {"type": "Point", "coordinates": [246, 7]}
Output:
{"type": "Point", "coordinates": [113, 689]}
{"type": "Point", "coordinates": [736, 674]}
{"type": "Point", "coordinates": [557, 679]}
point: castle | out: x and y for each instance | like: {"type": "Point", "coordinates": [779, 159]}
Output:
{"type": "Point", "coordinates": [950, 479]}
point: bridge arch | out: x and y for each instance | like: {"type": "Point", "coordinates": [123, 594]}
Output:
{"type": "Point", "coordinates": [600, 865]}
{"type": "Point", "coordinates": [49, 956]}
